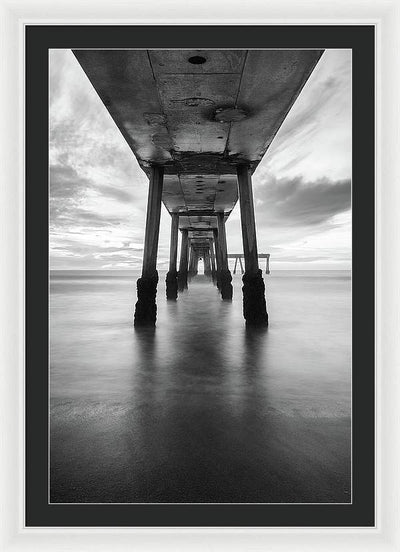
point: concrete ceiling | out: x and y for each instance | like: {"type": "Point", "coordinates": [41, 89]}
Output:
{"type": "Point", "coordinates": [198, 113]}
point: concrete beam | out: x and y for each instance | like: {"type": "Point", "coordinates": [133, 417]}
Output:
{"type": "Point", "coordinates": [212, 255]}
{"type": "Point", "coordinates": [247, 219]}
{"type": "Point", "coordinates": [173, 251]}
{"type": "Point", "coordinates": [152, 222]}
{"type": "Point", "coordinates": [171, 278]}
{"type": "Point", "coordinates": [254, 305]}
{"type": "Point", "coordinates": [224, 275]}
{"type": "Point", "coordinates": [222, 241]}
{"type": "Point", "coordinates": [145, 308]}
{"type": "Point", "coordinates": [183, 261]}
{"type": "Point", "coordinates": [217, 250]}
{"type": "Point", "coordinates": [207, 262]}
{"type": "Point", "coordinates": [200, 213]}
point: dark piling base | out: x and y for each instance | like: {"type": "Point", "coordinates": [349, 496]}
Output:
{"type": "Point", "coordinates": [254, 304]}
{"type": "Point", "coordinates": [225, 286]}
{"type": "Point", "coordinates": [146, 308]}
{"type": "Point", "coordinates": [182, 281]}
{"type": "Point", "coordinates": [172, 285]}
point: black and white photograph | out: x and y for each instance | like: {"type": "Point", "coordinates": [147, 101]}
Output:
{"type": "Point", "coordinates": [200, 282]}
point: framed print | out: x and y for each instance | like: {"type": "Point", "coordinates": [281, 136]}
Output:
{"type": "Point", "coordinates": [200, 291]}
{"type": "Point", "coordinates": [191, 411]}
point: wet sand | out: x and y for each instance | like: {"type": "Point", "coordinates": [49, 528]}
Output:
{"type": "Point", "coordinates": [201, 409]}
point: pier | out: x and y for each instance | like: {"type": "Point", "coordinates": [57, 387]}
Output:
{"type": "Point", "coordinates": [239, 256]}
{"type": "Point", "coordinates": [199, 123]}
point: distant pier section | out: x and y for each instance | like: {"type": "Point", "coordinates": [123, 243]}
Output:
{"type": "Point", "coordinates": [240, 256]}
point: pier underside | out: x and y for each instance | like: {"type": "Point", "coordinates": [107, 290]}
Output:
{"type": "Point", "coordinates": [199, 122]}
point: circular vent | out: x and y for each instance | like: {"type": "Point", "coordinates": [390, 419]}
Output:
{"type": "Point", "coordinates": [197, 60]}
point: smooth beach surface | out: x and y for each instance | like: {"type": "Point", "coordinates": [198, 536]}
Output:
{"type": "Point", "coordinates": [200, 409]}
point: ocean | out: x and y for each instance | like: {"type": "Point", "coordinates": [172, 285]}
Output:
{"type": "Point", "coordinates": [201, 409]}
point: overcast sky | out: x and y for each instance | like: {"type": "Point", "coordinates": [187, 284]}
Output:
{"type": "Point", "coordinates": [302, 187]}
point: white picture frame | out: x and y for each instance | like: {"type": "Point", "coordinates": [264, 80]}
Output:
{"type": "Point", "coordinates": [385, 15]}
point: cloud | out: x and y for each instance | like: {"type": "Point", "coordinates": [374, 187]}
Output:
{"type": "Point", "coordinates": [118, 253]}
{"type": "Point", "coordinates": [302, 258]}
{"type": "Point", "coordinates": [296, 202]}
{"type": "Point", "coordinates": [315, 138]}
{"type": "Point", "coordinates": [94, 219]}
{"type": "Point", "coordinates": [323, 93]}
{"type": "Point", "coordinates": [98, 192]}
{"type": "Point", "coordinates": [115, 193]}
{"type": "Point", "coordinates": [68, 191]}
{"type": "Point", "coordinates": [66, 183]}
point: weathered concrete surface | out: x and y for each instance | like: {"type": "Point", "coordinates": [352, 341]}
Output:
{"type": "Point", "coordinates": [172, 275]}
{"type": "Point", "coordinates": [183, 261]}
{"type": "Point", "coordinates": [254, 304]}
{"type": "Point", "coordinates": [145, 308]}
{"type": "Point", "coordinates": [198, 114]}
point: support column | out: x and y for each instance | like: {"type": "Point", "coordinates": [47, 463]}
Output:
{"type": "Point", "coordinates": [207, 263]}
{"type": "Point", "coordinates": [171, 279]}
{"type": "Point", "coordinates": [191, 262]}
{"type": "Point", "coordinates": [267, 265]}
{"type": "Point", "coordinates": [195, 262]}
{"type": "Point", "coordinates": [212, 257]}
{"type": "Point", "coordinates": [225, 275]}
{"type": "Point", "coordinates": [241, 266]}
{"type": "Point", "coordinates": [183, 262]}
{"type": "Point", "coordinates": [217, 259]}
{"type": "Point", "coordinates": [234, 268]}
{"type": "Point", "coordinates": [190, 270]}
{"type": "Point", "coordinates": [146, 308]}
{"type": "Point", "coordinates": [254, 304]}
{"type": "Point", "coordinates": [191, 259]}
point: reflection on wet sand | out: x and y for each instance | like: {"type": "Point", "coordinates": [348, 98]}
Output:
{"type": "Point", "coordinates": [201, 409]}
